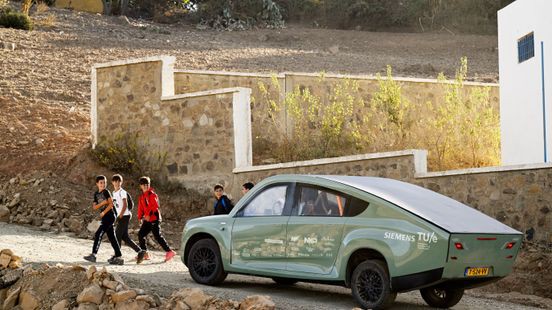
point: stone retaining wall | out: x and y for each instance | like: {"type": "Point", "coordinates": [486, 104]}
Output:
{"type": "Point", "coordinates": [192, 135]}
{"type": "Point", "coordinates": [206, 137]}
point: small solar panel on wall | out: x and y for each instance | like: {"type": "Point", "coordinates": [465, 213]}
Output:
{"type": "Point", "coordinates": [526, 48]}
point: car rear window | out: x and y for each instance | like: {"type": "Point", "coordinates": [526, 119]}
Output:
{"type": "Point", "coordinates": [356, 206]}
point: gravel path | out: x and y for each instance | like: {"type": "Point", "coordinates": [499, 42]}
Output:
{"type": "Point", "coordinates": [163, 278]}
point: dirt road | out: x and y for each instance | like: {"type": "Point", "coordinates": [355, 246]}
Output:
{"type": "Point", "coordinates": [163, 278]}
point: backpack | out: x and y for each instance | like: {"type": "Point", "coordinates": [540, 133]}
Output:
{"type": "Point", "coordinates": [130, 203]}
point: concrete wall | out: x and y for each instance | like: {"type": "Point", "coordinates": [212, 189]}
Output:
{"type": "Point", "coordinates": [519, 196]}
{"type": "Point", "coordinates": [521, 107]}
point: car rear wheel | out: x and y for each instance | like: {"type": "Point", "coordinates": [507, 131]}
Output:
{"type": "Point", "coordinates": [370, 285]}
{"type": "Point", "coordinates": [205, 263]}
{"type": "Point", "coordinates": [285, 281]}
{"type": "Point", "coordinates": [441, 297]}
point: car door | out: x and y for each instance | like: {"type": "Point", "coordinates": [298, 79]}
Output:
{"type": "Point", "coordinates": [314, 229]}
{"type": "Point", "coordinates": [259, 230]}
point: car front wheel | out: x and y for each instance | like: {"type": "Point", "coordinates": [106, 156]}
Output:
{"type": "Point", "coordinates": [205, 263]}
{"type": "Point", "coordinates": [441, 297]}
{"type": "Point", "coordinates": [370, 285]}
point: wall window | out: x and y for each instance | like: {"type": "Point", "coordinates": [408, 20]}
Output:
{"type": "Point", "coordinates": [526, 48]}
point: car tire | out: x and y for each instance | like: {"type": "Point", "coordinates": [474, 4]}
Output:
{"type": "Point", "coordinates": [370, 285]}
{"type": "Point", "coordinates": [441, 297]}
{"type": "Point", "coordinates": [205, 263]}
{"type": "Point", "coordinates": [285, 281]}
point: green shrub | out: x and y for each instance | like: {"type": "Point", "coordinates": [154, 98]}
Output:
{"type": "Point", "coordinates": [240, 14]}
{"type": "Point", "coordinates": [460, 128]}
{"type": "Point", "coordinates": [124, 153]}
{"type": "Point", "coordinates": [11, 19]}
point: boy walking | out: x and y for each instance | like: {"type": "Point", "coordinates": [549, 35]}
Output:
{"type": "Point", "coordinates": [104, 203]}
{"type": "Point", "coordinates": [124, 214]}
{"type": "Point", "coordinates": [148, 213]}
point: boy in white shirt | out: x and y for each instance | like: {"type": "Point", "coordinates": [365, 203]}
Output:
{"type": "Point", "coordinates": [124, 214]}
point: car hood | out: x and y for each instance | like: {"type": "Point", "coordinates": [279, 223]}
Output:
{"type": "Point", "coordinates": [445, 212]}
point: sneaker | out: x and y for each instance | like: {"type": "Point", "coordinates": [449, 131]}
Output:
{"type": "Point", "coordinates": [141, 256]}
{"type": "Point", "coordinates": [146, 256]}
{"type": "Point", "coordinates": [170, 254]}
{"type": "Point", "coordinates": [116, 261]}
{"type": "Point", "coordinates": [91, 258]}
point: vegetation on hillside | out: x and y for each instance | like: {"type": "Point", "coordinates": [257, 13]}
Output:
{"type": "Point", "coordinates": [460, 129]}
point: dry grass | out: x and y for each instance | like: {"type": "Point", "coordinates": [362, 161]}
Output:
{"type": "Point", "coordinates": [3, 3]}
{"type": "Point", "coordinates": [47, 21]}
{"type": "Point", "coordinates": [41, 7]}
{"type": "Point", "coordinates": [26, 6]}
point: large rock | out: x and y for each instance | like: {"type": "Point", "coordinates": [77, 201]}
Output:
{"type": "Point", "coordinates": [5, 260]}
{"type": "Point", "coordinates": [87, 306]}
{"type": "Point", "coordinates": [74, 223]}
{"type": "Point", "coordinates": [195, 298]}
{"type": "Point", "coordinates": [110, 284]}
{"type": "Point", "coordinates": [257, 302]}
{"type": "Point", "coordinates": [4, 214]}
{"type": "Point", "coordinates": [9, 277]}
{"type": "Point", "coordinates": [28, 300]}
{"type": "Point", "coordinates": [3, 295]}
{"type": "Point", "coordinates": [90, 272]}
{"type": "Point", "coordinates": [11, 300]}
{"type": "Point", "coordinates": [62, 305]}
{"type": "Point", "coordinates": [123, 296]}
{"type": "Point", "coordinates": [92, 294]}
{"type": "Point", "coordinates": [7, 251]}
{"type": "Point", "coordinates": [15, 201]}
{"type": "Point", "coordinates": [132, 305]}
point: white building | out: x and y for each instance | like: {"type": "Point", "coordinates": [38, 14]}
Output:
{"type": "Point", "coordinates": [525, 65]}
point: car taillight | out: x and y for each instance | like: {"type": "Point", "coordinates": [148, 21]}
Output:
{"type": "Point", "coordinates": [510, 245]}
{"type": "Point", "coordinates": [458, 246]}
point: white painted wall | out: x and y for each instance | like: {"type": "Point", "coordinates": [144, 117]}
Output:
{"type": "Point", "coordinates": [521, 100]}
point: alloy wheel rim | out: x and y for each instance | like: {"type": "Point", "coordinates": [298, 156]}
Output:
{"type": "Point", "coordinates": [204, 262]}
{"type": "Point", "coordinates": [370, 286]}
{"type": "Point", "coordinates": [441, 294]}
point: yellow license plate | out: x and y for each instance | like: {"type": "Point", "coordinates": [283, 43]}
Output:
{"type": "Point", "coordinates": [477, 272]}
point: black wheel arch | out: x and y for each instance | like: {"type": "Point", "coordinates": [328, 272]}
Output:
{"type": "Point", "coordinates": [358, 257]}
{"type": "Point", "coordinates": [192, 240]}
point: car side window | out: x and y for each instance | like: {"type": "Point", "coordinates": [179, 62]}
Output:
{"type": "Point", "coordinates": [268, 203]}
{"type": "Point", "coordinates": [319, 202]}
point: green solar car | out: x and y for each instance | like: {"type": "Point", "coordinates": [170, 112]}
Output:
{"type": "Point", "coordinates": [377, 236]}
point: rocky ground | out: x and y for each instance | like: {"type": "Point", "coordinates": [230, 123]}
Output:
{"type": "Point", "coordinates": [46, 169]}
{"type": "Point", "coordinates": [60, 287]}
{"type": "Point", "coordinates": [160, 279]}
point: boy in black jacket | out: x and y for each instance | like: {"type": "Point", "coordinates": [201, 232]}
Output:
{"type": "Point", "coordinates": [223, 205]}
{"type": "Point", "coordinates": [104, 203]}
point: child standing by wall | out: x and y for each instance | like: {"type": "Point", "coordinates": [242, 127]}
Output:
{"type": "Point", "coordinates": [124, 214]}
{"type": "Point", "coordinates": [104, 203]}
{"type": "Point", "coordinates": [148, 213]}
{"type": "Point", "coordinates": [223, 205]}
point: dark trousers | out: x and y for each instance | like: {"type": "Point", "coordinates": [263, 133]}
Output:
{"type": "Point", "coordinates": [154, 227]}
{"type": "Point", "coordinates": [121, 232]}
{"type": "Point", "coordinates": [107, 228]}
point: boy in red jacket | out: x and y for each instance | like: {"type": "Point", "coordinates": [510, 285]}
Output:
{"type": "Point", "coordinates": [148, 214]}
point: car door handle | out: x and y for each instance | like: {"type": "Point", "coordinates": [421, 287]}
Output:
{"type": "Point", "coordinates": [222, 227]}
